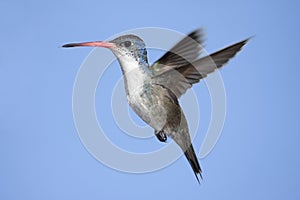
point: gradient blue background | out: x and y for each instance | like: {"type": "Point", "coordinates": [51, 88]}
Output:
{"type": "Point", "coordinates": [257, 156]}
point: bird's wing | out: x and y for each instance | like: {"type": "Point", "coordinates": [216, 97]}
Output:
{"type": "Point", "coordinates": [184, 52]}
{"type": "Point", "coordinates": [179, 79]}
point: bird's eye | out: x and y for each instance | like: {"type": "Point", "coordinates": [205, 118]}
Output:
{"type": "Point", "coordinates": [126, 44]}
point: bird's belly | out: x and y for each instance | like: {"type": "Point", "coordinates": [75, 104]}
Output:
{"type": "Point", "coordinates": [149, 108]}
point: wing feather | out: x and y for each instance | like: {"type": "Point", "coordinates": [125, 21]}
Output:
{"type": "Point", "coordinates": [180, 78]}
{"type": "Point", "coordinates": [184, 52]}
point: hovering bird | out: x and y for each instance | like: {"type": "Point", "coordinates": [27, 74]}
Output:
{"type": "Point", "coordinates": [153, 90]}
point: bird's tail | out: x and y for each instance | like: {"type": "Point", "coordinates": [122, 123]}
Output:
{"type": "Point", "coordinates": [192, 158]}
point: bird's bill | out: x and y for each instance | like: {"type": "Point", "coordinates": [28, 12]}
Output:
{"type": "Point", "coordinates": [90, 44]}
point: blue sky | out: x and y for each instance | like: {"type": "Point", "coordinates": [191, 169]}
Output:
{"type": "Point", "coordinates": [42, 157]}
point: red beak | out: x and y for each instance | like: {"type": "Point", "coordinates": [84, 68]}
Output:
{"type": "Point", "coordinates": [91, 44]}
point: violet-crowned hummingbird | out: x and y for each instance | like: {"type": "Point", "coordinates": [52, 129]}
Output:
{"type": "Point", "coordinates": [153, 90]}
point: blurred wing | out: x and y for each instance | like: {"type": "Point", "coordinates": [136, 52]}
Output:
{"type": "Point", "coordinates": [179, 79]}
{"type": "Point", "coordinates": [184, 52]}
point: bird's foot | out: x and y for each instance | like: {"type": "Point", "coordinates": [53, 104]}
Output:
{"type": "Point", "coordinates": [161, 136]}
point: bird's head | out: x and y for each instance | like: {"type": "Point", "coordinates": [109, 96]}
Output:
{"type": "Point", "coordinates": [126, 48]}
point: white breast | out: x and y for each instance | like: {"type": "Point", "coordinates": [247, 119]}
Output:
{"type": "Point", "coordinates": [134, 76]}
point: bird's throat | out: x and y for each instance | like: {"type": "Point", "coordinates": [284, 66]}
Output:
{"type": "Point", "coordinates": [136, 75]}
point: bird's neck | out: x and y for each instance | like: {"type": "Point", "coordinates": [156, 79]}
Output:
{"type": "Point", "coordinates": [132, 60]}
{"type": "Point", "coordinates": [136, 74]}
{"type": "Point", "coordinates": [129, 64]}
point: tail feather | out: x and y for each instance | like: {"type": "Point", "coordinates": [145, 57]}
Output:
{"type": "Point", "coordinates": [192, 158]}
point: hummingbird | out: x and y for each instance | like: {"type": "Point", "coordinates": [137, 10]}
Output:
{"type": "Point", "coordinates": [153, 90]}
